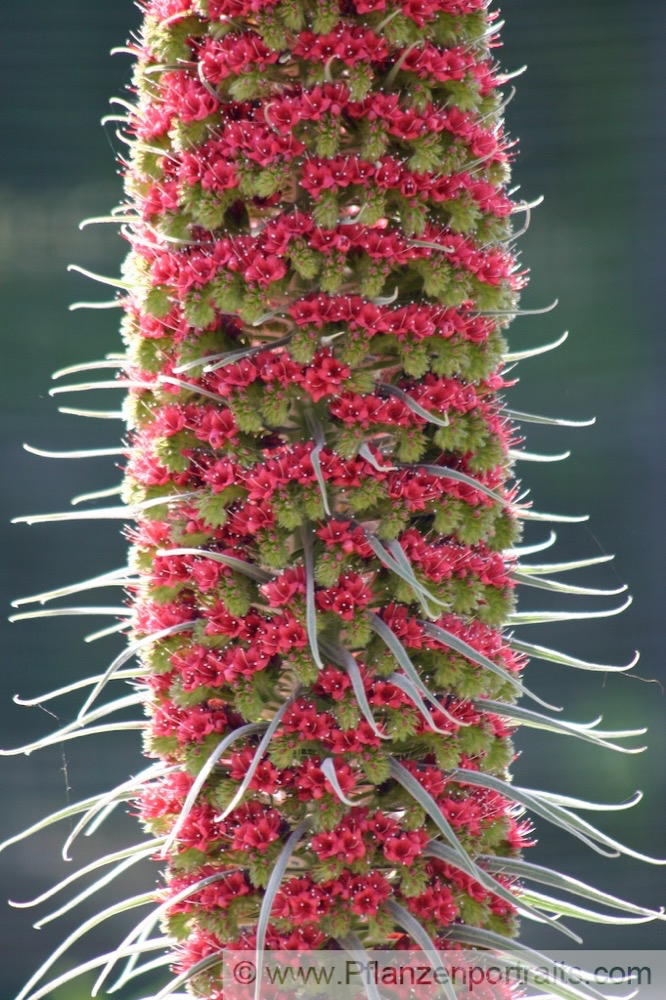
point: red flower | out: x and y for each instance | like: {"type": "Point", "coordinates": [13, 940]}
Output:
{"type": "Point", "coordinates": [323, 376]}
{"type": "Point", "coordinates": [405, 848]}
{"type": "Point", "coordinates": [265, 270]}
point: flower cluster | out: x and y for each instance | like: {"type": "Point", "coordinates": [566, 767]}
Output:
{"type": "Point", "coordinates": [320, 465]}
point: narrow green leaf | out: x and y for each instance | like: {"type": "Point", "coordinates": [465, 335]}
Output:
{"type": "Point", "coordinates": [398, 568]}
{"type": "Point", "coordinates": [259, 753]}
{"type": "Point", "coordinates": [344, 659]}
{"type": "Point", "coordinates": [88, 366]}
{"type": "Point", "coordinates": [553, 586]}
{"type": "Point", "coordinates": [94, 963]}
{"type": "Point", "coordinates": [328, 770]}
{"type": "Point", "coordinates": [202, 777]}
{"type": "Point", "coordinates": [115, 727]}
{"type": "Point", "coordinates": [547, 876]}
{"type": "Point", "coordinates": [520, 312]}
{"type": "Point", "coordinates": [116, 383]}
{"type": "Point", "coordinates": [233, 356]}
{"type": "Point", "coordinates": [274, 884]}
{"type": "Point", "coordinates": [121, 793]}
{"type": "Point", "coordinates": [532, 456]}
{"type": "Point", "coordinates": [411, 691]}
{"type": "Point", "coordinates": [553, 656]}
{"type": "Point", "coordinates": [70, 810]}
{"type": "Point", "coordinates": [535, 351]}
{"type": "Point", "coordinates": [248, 569]}
{"type": "Point", "coordinates": [527, 514]}
{"type": "Point", "coordinates": [460, 646]}
{"type": "Point", "coordinates": [92, 414]}
{"type": "Point", "coordinates": [398, 553]}
{"type": "Point", "coordinates": [565, 909]}
{"type": "Point", "coordinates": [320, 443]}
{"type": "Point", "coordinates": [418, 933]}
{"type": "Point", "coordinates": [141, 970]}
{"type": "Point", "coordinates": [310, 605]}
{"type": "Point", "coordinates": [140, 849]}
{"type": "Point", "coordinates": [459, 477]}
{"type": "Point", "coordinates": [120, 675]}
{"type": "Point", "coordinates": [104, 632]}
{"type": "Point", "coordinates": [420, 411]}
{"type": "Point", "coordinates": [535, 720]}
{"type": "Point", "coordinates": [558, 815]}
{"type": "Point", "coordinates": [114, 282]}
{"type": "Point", "coordinates": [113, 491]}
{"type": "Point", "coordinates": [114, 578]}
{"type": "Point", "coordinates": [127, 654]}
{"type": "Point", "coordinates": [533, 418]}
{"type": "Point", "coordinates": [125, 702]}
{"type": "Point", "coordinates": [113, 304]}
{"type": "Point", "coordinates": [400, 653]}
{"type": "Point", "coordinates": [503, 947]}
{"type": "Point", "coordinates": [70, 612]}
{"type": "Point", "coordinates": [97, 514]}
{"type": "Point", "coordinates": [352, 944]}
{"type": "Point", "coordinates": [540, 617]}
{"type": "Point", "coordinates": [123, 948]}
{"type": "Point", "coordinates": [572, 803]}
{"type": "Point", "coordinates": [100, 883]}
{"type": "Point", "coordinates": [110, 911]}
{"type": "Point", "coordinates": [528, 550]}
{"type": "Point", "coordinates": [564, 567]}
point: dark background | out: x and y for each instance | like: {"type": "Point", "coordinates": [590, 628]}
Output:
{"type": "Point", "coordinates": [590, 120]}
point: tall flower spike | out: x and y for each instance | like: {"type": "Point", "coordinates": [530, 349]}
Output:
{"type": "Point", "coordinates": [324, 520]}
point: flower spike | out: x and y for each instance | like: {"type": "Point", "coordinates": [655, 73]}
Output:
{"type": "Point", "coordinates": [319, 494]}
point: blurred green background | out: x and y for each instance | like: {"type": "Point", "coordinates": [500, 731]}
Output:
{"type": "Point", "coordinates": [590, 120]}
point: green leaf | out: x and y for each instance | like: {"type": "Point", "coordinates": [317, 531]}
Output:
{"type": "Point", "coordinates": [354, 947]}
{"type": "Point", "coordinates": [547, 876]}
{"type": "Point", "coordinates": [400, 653]}
{"type": "Point", "coordinates": [460, 646]}
{"type": "Point", "coordinates": [528, 959]}
{"type": "Point", "coordinates": [535, 351]}
{"type": "Point", "coordinates": [110, 911]}
{"type": "Point", "coordinates": [540, 617]}
{"type": "Point", "coordinates": [553, 586]}
{"type": "Point", "coordinates": [240, 565]}
{"type": "Point", "coordinates": [582, 732]}
{"type": "Point", "coordinates": [126, 862]}
{"type": "Point", "coordinates": [148, 922]}
{"type": "Point", "coordinates": [565, 909]}
{"type": "Point", "coordinates": [548, 809]}
{"type": "Point", "coordinates": [553, 656]}
{"type": "Point", "coordinates": [344, 659]}
{"type": "Point", "coordinates": [60, 737]}
{"type": "Point", "coordinates": [563, 567]}
{"type": "Point", "coordinates": [104, 804]}
{"type": "Point", "coordinates": [531, 418]}
{"type": "Point", "coordinates": [70, 810]}
{"type": "Point", "coordinates": [310, 606]}
{"type": "Point", "coordinates": [202, 777]}
{"type": "Point", "coordinates": [431, 418]}
{"type": "Point", "coordinates": [328, 769]}
{"type": "Point", "coordinates": [404, 570]}
{"type": "Point", "coordinates": [259, 753]}
{"type": "Point", "coordinates": [274, 883]}
{"type": "Point", "coordinates": [411, 925]}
